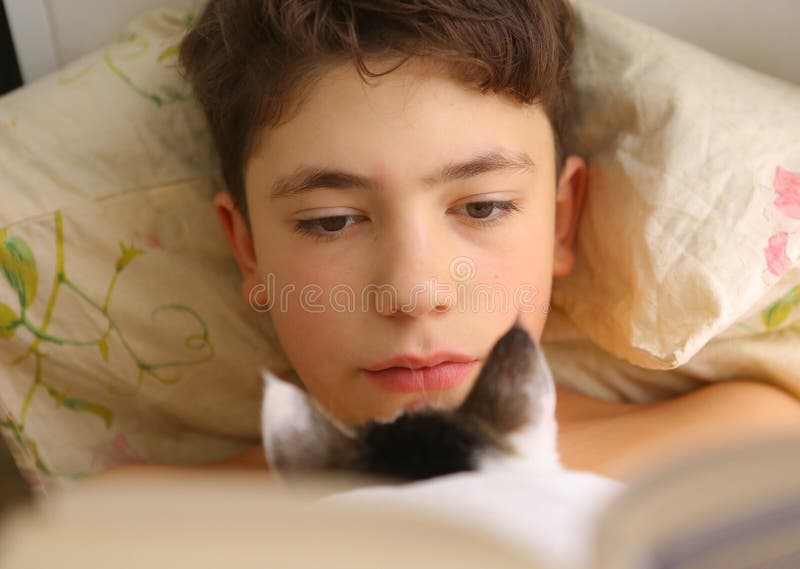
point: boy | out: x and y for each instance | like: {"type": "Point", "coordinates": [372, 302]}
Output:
{"type": "Point", "coordinates": [389, 161]}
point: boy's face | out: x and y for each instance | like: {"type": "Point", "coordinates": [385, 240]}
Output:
{"type": "Point", "coordinates": [403, 264]}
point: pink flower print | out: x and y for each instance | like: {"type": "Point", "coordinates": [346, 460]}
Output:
{"type": "Point", "coordinates": [152, 241]}
{"type": "Point", "coordinates": [787, 185]}
{"type": "Point", "coordinates": [115, 452]}
{"type": "Point", "coordinates": [775, 253]}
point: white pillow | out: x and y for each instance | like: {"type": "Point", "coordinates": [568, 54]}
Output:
{"type": "Point", "coordinates": [693, 208]}
{"type": "Point", "coordinates": [109, 165]}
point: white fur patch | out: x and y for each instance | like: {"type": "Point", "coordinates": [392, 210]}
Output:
{"type": "Point", "coordinates": [284, 410]}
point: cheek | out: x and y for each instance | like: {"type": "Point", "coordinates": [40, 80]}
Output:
{"type": "Point", "coordinates": [307, 343]}
{"type": "Point", "coordinates": [297, 262]}
{"type": "Point", "coordinates": [535, 277]}
{"type": "Point", "coordinates": [313, 344]}
{"type": "Point", "coordinates": [298, 268]}
{"type": "Point", "coordinates": [522, 266]}
{"type": "Point", "coordinates": [311, 332]}
{"type": "Point", "coordinates": [523, 259]}
{"type": "Point", "coordinates": [311, 321]}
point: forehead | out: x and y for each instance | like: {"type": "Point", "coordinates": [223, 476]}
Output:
{"type": "Point", "coordinates": [403, 122]}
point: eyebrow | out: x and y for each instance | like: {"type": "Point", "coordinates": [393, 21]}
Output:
{"type": "Point", "coordinates": [308, 178]}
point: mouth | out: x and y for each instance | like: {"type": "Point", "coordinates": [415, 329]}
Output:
{"type": "Point", "coordinates": [412, 361]}
{"type": "Point", "coordinates": [444, 375]}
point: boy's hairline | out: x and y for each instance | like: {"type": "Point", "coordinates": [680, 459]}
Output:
{"type": "Point", "coordinates": [318, 69]}
{"type": "Point", "coordinates": [430, 64]}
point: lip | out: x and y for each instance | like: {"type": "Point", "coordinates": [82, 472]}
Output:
{"type": "Point", "coordinates": [444, 375]}
{"type": "Point", "coordinates": [412, 361]}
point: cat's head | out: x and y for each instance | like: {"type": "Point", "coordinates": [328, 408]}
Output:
{"type": "Point", "coordinates": [508, 416]}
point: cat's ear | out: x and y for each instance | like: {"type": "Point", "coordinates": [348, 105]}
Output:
{"type": "Point", "coordinates": [537, 440]}
{"type": "Point", "coordinates": [515, 395]}
{"type": "Point", "coordinates": [298, 434]}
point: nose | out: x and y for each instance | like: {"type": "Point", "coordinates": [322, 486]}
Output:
{"type": "Point", "coordinates": [410, 271]}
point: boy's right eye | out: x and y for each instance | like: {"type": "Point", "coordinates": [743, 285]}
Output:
{"type": "Point", "coordinates": [331, 227]}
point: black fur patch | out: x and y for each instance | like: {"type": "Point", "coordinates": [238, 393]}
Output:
{"type": "Point", "coordinates": [420, 446]}
{"type": "Point", "coordinates": [433, 443]}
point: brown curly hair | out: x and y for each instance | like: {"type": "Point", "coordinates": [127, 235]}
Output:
{"type": "Point", "coordinates": [250, 62]}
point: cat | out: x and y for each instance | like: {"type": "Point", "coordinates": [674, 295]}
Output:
{"type": "Point", "coordinates": [492, 464]}
{"type": "Point", "coordinates": [510, 412]}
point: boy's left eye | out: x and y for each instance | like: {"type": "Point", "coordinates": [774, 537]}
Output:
{"type": "Point", "coordinates": [480, 213]}
{"type": "Point", "coordinates": [332, 227]}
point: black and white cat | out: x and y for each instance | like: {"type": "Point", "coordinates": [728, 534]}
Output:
{"type": "Point", "coordinates": [491, 464]}
{"type": "Point", "coordinates": [510, 413]}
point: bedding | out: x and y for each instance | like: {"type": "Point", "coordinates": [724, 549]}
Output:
{"type": "Point", "coordinates": [693, 208]}
{"type": "Point", "coordinates": [136, 344]}
{"type": "Point", "coordinates": [762, 345]}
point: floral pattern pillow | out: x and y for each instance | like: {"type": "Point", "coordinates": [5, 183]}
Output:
{"type": "Point", "coordinates": [124, 337]}
{"type": "Point", "coordinates": [691, 213]}
{"type": "Point", "coordinates": [123, 334]}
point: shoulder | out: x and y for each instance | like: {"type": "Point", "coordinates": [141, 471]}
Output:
{"type": "Point", "coordinates": [254, 458]}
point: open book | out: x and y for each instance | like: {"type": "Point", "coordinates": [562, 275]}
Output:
{"type": "Point", "coordinates": [734, 509]}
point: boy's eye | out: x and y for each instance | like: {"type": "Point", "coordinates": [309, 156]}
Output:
{"type": "Point", "coordinates": [331, 227]}
{"type": "Point", "coordinates": [335, 223]}
{"type": "Point", "coordinates": [480, 209]}
{"type": "Point", "coordinates": [481, 212]}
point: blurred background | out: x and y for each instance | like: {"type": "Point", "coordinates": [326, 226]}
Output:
{"type": "Point", "coordinates": [10, 77]}
{"type": "Point", "coordinates": [13, 489]}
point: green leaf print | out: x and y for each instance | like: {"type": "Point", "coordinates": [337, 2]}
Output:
{"type": "Point", "coordinates": [77, 404]}
{"type": "Point", "coordinates": [128, 254]}
{"type": "Point", "coordinates": [169, 53]}
{"type": "Point", "coordinates": [19, 268]}
{"type": "Point", "coordinates": [16, 430]}
{"type": "Point", "coordinates": [8, 321]}
{"type": "Point", "coordinates": [103, 346]}
{"type": "Point", "coordinates": [777, 312]}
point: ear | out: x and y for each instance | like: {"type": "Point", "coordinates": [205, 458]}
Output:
{"type": "Point", "coordinates": [536, 442]}
{"type": "Point", "coordinates": [515, 395]}
{"type": "Point", "coordinates": [297, 434]}
{"type": "Point", "coordinates": [570, 195]}
{"type": "Point", "coordinates": [240, 240]}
